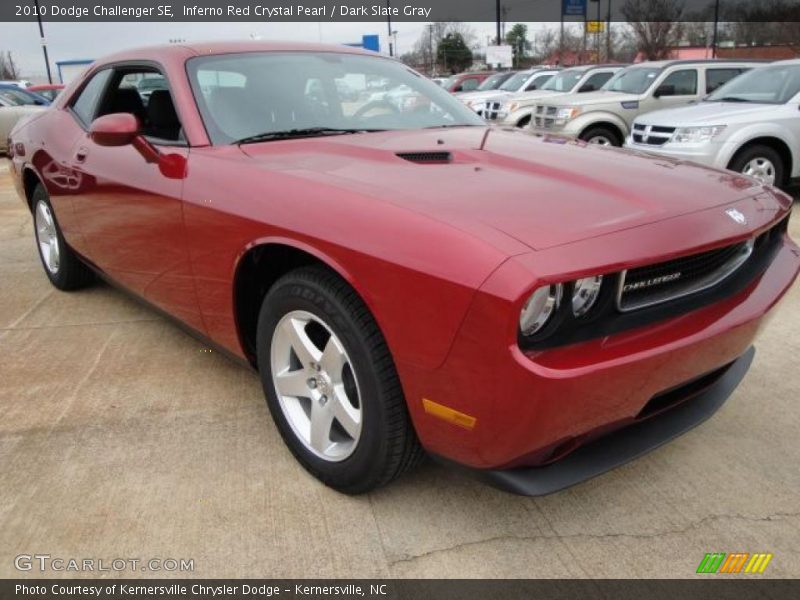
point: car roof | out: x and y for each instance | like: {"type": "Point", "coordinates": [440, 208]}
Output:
{"type": "Point", "coordinates": [703, 61]}
{"type": "Point", "coordinates": [232, 47]}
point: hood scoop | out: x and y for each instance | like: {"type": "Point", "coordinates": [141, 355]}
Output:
{"type": "Point", "coordinates": [425, 158]}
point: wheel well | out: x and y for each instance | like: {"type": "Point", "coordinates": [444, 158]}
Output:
{"type": "Point", "coordinates": [778, 145]}
{"type": "Point", "coordinates": [257, 272]}
{"type": "Point", "coordinates": [607, 125]}
{"type": "Point", "coordinates": [524, 121]}
{"type": "Point", "coordinates": [29, 182]}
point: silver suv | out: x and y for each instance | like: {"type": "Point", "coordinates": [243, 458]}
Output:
{"type": "Point", "coordinates": [751, 125]}
{"type": "Point", "coordinates": [517, 109]}
{"type": "Point", "coordinates": [605, 117]}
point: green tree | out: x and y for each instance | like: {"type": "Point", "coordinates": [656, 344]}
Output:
{"type": "Point", "coordinates": [517, 38]}
{"type": "Point", "coordinates": [453, 53]}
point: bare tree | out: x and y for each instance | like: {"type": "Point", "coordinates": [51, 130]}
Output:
{"type": "Point", "coordinates": [655, 24]}
{"type": "Point", "coordinates": [8, 68]}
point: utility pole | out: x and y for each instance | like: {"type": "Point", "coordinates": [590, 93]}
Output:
{"type": "Point", "coordinates": [608, 32]}
{"type": "Point", "coordinates": [716, 30]}
{"type": "Point", "coordinates": [497, 6]}
{"type": "Point", "coordinates": [44, 42]}
{"type": "Point", "coordinates": [389, 25]}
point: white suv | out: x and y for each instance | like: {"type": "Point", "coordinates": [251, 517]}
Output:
{"type": "Point", "coordinates": [605, 117]}
{"type": "Point", "coordinates": [751, 125]}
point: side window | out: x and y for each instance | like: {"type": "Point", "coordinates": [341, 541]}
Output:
{"type": "Point", "coordinates": [85, 105]}
{"type": "Point", "coordinates": [469, 84]}
{"type": "Point", "coordinates": [144, 93]}
{"type": "Point", "coordinates": [683, 82]}
{"type": "Point", "coordinates": [537, 82]}
{"type": "Point", "coordinates": [595, 82]}
{"type": "Point", "coordinates": [716, 78]}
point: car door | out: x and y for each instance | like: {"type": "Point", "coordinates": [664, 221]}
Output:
{"type": "Point", "coordinates": [683, 80]}
{"type": "Point", "coordinates": [132, 214]}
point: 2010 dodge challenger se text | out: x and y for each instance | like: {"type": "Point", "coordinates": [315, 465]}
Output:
{"type": "Point", "coordinates": [404, 278]}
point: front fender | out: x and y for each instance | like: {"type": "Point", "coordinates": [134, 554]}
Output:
{"type": "Point", "coordinates": [760, 130]}
{"type": "Point", "coordinates": [583, 121]}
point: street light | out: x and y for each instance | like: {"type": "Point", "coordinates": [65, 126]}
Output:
{"type": "Point", "coordinates": [44, 42]}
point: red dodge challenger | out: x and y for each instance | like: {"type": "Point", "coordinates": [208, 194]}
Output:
{"type": "Point", "coordinates": [405, 279]}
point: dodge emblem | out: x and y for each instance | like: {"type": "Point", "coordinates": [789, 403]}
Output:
{"type": "Point", "coordinates": [736, 216]}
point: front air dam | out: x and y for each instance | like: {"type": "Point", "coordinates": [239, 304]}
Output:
{"type": "Point", "coordinates": [619, 447]}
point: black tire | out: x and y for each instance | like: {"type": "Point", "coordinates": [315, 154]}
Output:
{"type": "Point", "coordinates": [388, 445]}
{"type": "Point", "coordinates": [600, 131]}
{"type": "Point", "coordinates": [72, 273]}
{"type": "Point", "coordinates": [746, 155]}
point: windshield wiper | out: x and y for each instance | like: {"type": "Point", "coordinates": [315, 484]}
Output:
{"type": "Point", "coordinates": [731, 99]}
{"type": "Point", "coordinates": [296, 133]}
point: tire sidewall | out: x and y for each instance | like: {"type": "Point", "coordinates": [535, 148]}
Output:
{"type": "Point", "coordinates": [601, 131]}
{"type": "Point", "coordinates": [309, 296]}
{"type": "Point", "coordinates": [750, 154]}
{"type": "Point", "coordinates": [57, 278]}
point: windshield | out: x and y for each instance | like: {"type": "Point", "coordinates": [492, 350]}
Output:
{"type": "Point", "coordinates": [634, 80]}
{"type": "Point", "coordinates": [492, 82]}
{"type": "Point", "coordinates": [15, 97]}
{"type": "Point", "coordinates": [775, 84]}
{"type": "Point", "coordinates": [513, 84]}
{"type": "Point", "coordinates": [250, 94]}
{"type": "Point", "coordinates": [564, 81]}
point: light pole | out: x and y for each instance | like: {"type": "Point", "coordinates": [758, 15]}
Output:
{"type": "Point", "coordinates": [716, 30]}
{"type": "Point", "coordinates": [389, 25]}
{"type": "Point", "coordinates": [44, 42]}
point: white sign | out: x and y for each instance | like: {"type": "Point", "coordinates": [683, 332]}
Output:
{"type": "Point", "coordinates": [499, 55]}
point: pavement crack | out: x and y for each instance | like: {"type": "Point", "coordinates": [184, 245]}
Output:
{"type": "Point", "coordinates": [778, 516]}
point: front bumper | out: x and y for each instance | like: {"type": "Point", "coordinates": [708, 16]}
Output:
{"type": "Point", "coordinates": [616, 449]}
{"type": "Point", "coordinates": [536, 407]}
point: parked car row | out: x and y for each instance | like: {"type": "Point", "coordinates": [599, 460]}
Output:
{"type": "Point", "coordinates": [742, 115]}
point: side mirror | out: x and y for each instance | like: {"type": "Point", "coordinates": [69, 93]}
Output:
{"type": "Point", "coordinates": [117, 129]}
{"type": "Point", "coordinates": [458, 88]}
{"type": "Point", "coordinates": [664, 90]}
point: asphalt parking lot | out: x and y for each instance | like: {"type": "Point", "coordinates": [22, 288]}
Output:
{"type": "Point", "coordinates": [121, 436]}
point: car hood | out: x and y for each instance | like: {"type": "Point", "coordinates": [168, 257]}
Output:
{"type": "Point", "coordinates": [464, 96]}
{"type": "Point", "coordinates": [708, 113]}
{"type": "Point", "coordinates": [592, 98]}
{"type": "Point", "coordinates": [542, 192]}
{"type": "Point", "coordinates": [533, 96]}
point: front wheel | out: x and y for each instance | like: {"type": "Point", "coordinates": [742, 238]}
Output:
{"type": "Point", "coordinates": [760, 162]}
{"type": "Point", "coordinates": [331, 384]}
{"type": "Point", "coordinates": [601, 136]}
{"type": "Point", "coordinates": [63, 267]}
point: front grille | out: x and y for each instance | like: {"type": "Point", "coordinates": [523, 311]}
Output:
{"type": "Point", "coordinates": [544, 117]}
{"type": "Point", "coordinates": [652, 135]}
{"type": "Point", "coordinates": [662, 282]}
{"type": "Point", "coordinates": [489, 110]}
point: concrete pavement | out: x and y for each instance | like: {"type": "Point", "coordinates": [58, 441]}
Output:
{"type": "Point", "coordinates": [122, 437]}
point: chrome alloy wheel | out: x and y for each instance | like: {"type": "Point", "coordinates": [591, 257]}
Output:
{"type": "Point", "coordinates": [316, 385]}
{"type": "Point", "coordinates": [599, 140]}
{"type": "Point", "coordinates": [47, 237]}
{"type": "Point", "coordinates": [762, 169]}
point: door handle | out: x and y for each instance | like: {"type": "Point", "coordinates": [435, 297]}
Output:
{"type": "Point", "coordinates": [80, 155]}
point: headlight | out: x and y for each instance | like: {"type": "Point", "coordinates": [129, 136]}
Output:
{"type": "Point", "coordinates": [539, 308]}
{"type": "Point", "coordinates": [566, 114]}
{"type": "Point", "coordinates": [585, 294]}
{"type": "Point", "coordinates": [468, 103]}
{"type": "Point", "coordinates": [511, 107]}
{"type": "Point", "coordinates": [696, 135]}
